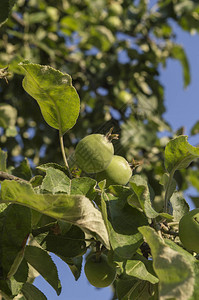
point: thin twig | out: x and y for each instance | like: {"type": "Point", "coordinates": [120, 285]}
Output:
{"type": "Point", "coordinates": [4, 176]}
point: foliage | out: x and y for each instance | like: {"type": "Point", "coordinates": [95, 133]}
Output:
{"type": "Point", "coordinates": [112, 53]}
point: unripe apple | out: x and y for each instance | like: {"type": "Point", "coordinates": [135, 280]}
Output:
{"type": "Point", "coordinates": [189, 230]}
{"type": "Point", "coordinates": [94, 153]}
{"type": "Point", "coordinates": [118, 172]}
{"type": "Point", "coordinates": [98, 271]}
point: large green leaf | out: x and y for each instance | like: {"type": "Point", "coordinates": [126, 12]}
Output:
{"type": "Point", "coordinates": [175, 273]}
{"type": "Point", "coordinates": [179, 154]}
{"type": "Point", "coordinates": [53, 90]}
{"type": "Point", "coordinates": [74, 209]}
{"type": "Point", "coordinates": [122, 221]}
{"type": "Point", "coordinates": [193, 261]}
{"type": "Point", "coordinates": [15, 226]}
{"type": "Point", "coordinates": [41, 261]}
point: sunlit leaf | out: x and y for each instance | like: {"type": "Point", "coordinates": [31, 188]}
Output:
{"type": "Point", "coordinates": [136, 268]}
{"type": "Point", "coordinates": [53, 90]}
{"type": "Point", "coordinates": [175, 273]}
{"type": "Point", "coordinates": [179, 206]}
{"type": "Point", "coordinates": [56, 181]}
{"type": "Point", "coordinates": [179, 154]}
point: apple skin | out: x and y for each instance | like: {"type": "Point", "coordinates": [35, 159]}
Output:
{"type": "Point", "coordinates": [189, 230]}
{"type": "Point", "coordinates": [99, 273]}
{"type": "Point", "coordinates": [94, 153]}
{"type": "Point", "coordinates": [118, 172]}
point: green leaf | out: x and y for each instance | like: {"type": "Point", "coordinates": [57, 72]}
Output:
{"type": "Point", "coordinates": [175, 273]}
{"type": "Point", "coordinates": [179, 154]}
{"type": "Point", "coordinates": [171, 186]}
{"type": "Point", "coordinates": [69, 244]}
{"type": "Point", "coordinates": [30, 292]}
{"type": "Point", "coordinates": [179, 205]}
{"type": "Point", "coordinates": [136, 268]}
{"type": "Point", "coordinates": [129, 289]}
{"type": "Point", "coordinates": [56, 181]}
{"type": "Point", "coordinates": [193, 175]}
{"type": "Point", "coordinates": [36, 181]}
{"type": "Point", "coordinates": [3, 159]}
{"type": "Point", "coordinates": [53, 90]}
{"type": "Point", "coordinates": [23, 170]}
{"type": "Point", "coordinates": [75, 265]}
{"type": "Point", "coordinates": [74, 209]}
{"type": "Point", "coordinates": [21, 274]}
{"type": "Point", "coordinates": [122, 221]}
{"type": "Point", "coordinates": [195, 201]}
{"type": "Point", "coordinates": [83, 186]}
{"type": "Point", "coordinates": [140, 187]}
{"type": "Point", "coordinates": [195, 128]}
{"type": "Point", "coordinates": [193, 261]}
{"type": "Point", "coordinates": [14, 230]}
{"type": "Point", "coordinates": [41, 261]}
{"type": "Point", "coordinates": [5, 9]}
{"type": "Point", "coordinates": [5, 290]}
{"type": "Point", "coordinates": [15, 286]}
{"type": "Point", "coordinates": [178, 52]}
{"type": "Point", "coordinates": [46, 166]}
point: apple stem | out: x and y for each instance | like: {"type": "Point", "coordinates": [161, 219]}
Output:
{"type": "Point", "coordinates": [112, 136]}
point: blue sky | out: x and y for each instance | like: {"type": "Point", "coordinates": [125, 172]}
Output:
{"type": "Point", "coordinates": [182, 110]}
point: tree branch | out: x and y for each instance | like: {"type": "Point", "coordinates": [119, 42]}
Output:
{"type": "Point", "coordinates": [4, 175]}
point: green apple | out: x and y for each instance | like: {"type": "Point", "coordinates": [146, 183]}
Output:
{"type": "Point", "coordinates": [118, 172]}
{"type": "Point", "coordinates": [98, 271]}
{"type": "Point", "coordinates": [94, 153]}
{"type": "Point", "coordinates": [189, 230]}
